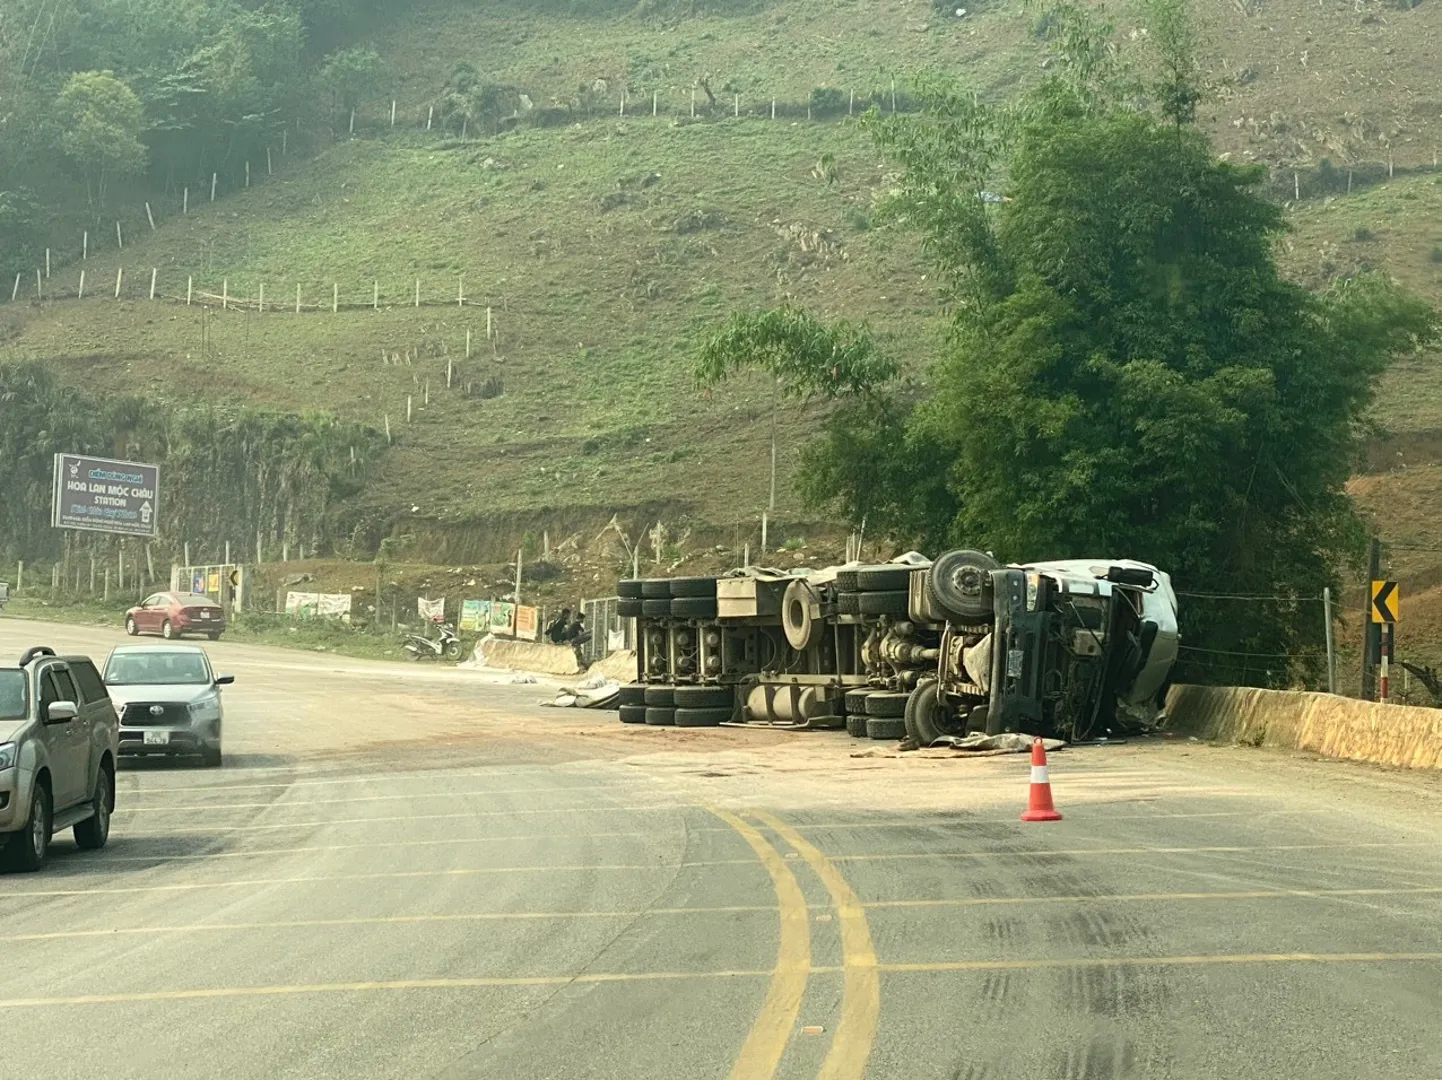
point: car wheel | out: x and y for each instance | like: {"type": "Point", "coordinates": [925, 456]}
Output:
{"type": "Point", "coordinates": [214, 636]}
{"type": "Point", "coordinates": [166, 630]}
{"type": "Point", "coordinates": [130, 627]}
{"type": "Point", "coordinates": [92, 833]}
{"type": "Point", "coordinates": [210, 756]}
{"type": "Point", "coordinates": [28, 848]}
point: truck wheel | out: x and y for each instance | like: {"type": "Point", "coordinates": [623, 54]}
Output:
{"type": "Point", "coordinates": [888, 704]}
{"type": "Point", "coordinates": [629, 588]}
{"type": "Point", "coordinates": [846, 581]}
{"type": "Point", "coordinates": [704, 697]}
{"type": "Point", "coordinates": [27, 849]}
{"type": "Point", "coordinates": [856, 725]}
{"type": "Point", "coordinates": [633, 714]}
{"type": "Point", "coordinates": [960, 584]}
{"type": "Point", "coordinates": [661, 697]}
{"type": "Point", "coordinates": [848, 603]}
{"type": "Point", "coordinates": [628, 607]}
{"type": "Point", "coordinates": [693, 586]}
{"type": "Point", "coordinates": [885, 727]}
{"type": "Point", "coordinates": [883, 603]}
{"type": "Point", "coordinates": [856, 701]}
{"type": "Point", "coordinates": [656, 588]}
{"type": "Point", "coordinates": [925, 719]}
{"type": "Point", "coordinates": [631, 694]}
{"type": "Point", "coordinates": [702, 717]}
{"type": "Point", "coordinates": [656, 609]}
{"type": "Point", "coordinates": [92, 833]}
{"type": "Point", "coordinates": [796, 604]}
{"type": "Point", "coordinates": [660, 717]}
{"type": "Point", "coordinates": [693, 607]}
{"type": "Point", "coordinates": [884, 578]}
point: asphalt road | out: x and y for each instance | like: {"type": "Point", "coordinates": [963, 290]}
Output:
{"type": "Point", "coordinates": [404, 872]}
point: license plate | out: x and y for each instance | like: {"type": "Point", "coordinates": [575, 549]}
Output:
{"type": "Point", "coordinates": [157, 738]}
{"type": "Point", "coordinates": [205, 614]}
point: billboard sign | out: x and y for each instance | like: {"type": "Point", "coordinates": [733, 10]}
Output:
{"type": "Point", "coordinates": [101, 495]}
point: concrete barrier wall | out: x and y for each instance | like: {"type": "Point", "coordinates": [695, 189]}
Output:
{"type": "Point", "coordinates": [1404, 735]}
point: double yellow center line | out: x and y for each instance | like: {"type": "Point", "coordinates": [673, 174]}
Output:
{"type": "Point", "coordinates": [861, 984]}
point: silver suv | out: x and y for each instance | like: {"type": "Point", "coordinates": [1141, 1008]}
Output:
{"type": "Point", "coordinates": [59, 738]}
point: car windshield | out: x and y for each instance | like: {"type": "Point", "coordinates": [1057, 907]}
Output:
{"type": "Point", "coordinates": [196, 601]}
{"type": "Point", "coordinates": [156, 668]}
{"type": "Point", "coordinates": [12, 694]}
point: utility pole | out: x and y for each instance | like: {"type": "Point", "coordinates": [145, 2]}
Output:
{"type": "Point", "coordinates": [1331, 645]}
{"type": "Point", "coordinates": [1371, 632]}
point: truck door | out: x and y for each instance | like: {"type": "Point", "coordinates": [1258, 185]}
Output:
{"type": "Point", "coordinates": [67, 744]}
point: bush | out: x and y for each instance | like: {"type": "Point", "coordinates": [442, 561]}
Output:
{"type": "Point", "coordinates": [827, 101]}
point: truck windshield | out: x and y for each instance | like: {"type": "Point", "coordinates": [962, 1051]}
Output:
{"type": "Point", "coordinates": [13, 695]}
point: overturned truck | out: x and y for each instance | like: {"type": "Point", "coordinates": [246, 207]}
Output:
{"type": "Point", "coordinates": [1075, 649]}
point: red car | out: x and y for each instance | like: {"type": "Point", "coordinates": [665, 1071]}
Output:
{"type": "Point", "coordinates": [173, 614]}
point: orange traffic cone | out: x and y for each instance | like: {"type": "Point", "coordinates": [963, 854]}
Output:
{"type": "Point", "coordinates": [1039, 806]}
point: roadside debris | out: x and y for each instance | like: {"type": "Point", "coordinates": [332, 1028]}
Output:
{"type": "Point", "coordinates": [595, 692]}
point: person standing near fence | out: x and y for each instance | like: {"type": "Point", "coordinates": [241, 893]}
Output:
{"type": "Point", "coordinates": [579, 637]}
{"type": "Point", "coordinates": [556, 630]}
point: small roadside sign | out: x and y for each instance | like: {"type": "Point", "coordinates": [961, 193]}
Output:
{"type": "Point", "coordinates": [1386, 602]}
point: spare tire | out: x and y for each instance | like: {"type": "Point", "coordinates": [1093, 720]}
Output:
{"type": "Point", "coordinates": [656, 588]}
{"type": "Point", "coordinates": [704, 697]}
{"type": "Point", "coordinates": [658, 716]}
{"type": "Point", "coordinates": [884, 578]}
{"type": "Point", "coordinates": [848, 603]}
{"type": "Point", "coordinates": [656, 609]}
{"type": "Point", "coordinates": [887, 703]}
{"type": "Point", "coordinates": [633, 714]}
{"type": "Point", "coordinates": [856, 726]}
{"type": "Point", "coordinates": [856, 701]}
{"type": "Point", "coordinates": [960, 584]}
{"type": "Point", "coordinates": [631, 694]}
{"type": "Point", "coordinates": [628, 607]}
{"type": "Point", "coordinates": [796, 618]}
{"type": "Point", "coordinates": [693, 607]}
{"type": "Point", "coordinates": [882, 727]}
{"type": "Point", "coordinates": [629, 587]}
{"type": "Point", "coordinates": [712, 717]}
{"type": "Point", "coordinates": [883, 603]}
{"type": "Point", "coordinates": [693, 586]}
{"type": "Point", "coordinates": [660, 695]}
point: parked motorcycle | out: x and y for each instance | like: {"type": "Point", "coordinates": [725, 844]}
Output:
{"type": "Point", "coordinates": [446, 646]}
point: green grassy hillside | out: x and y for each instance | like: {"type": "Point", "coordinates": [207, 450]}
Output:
{"type": "Point", "coordinates": [604, 248]}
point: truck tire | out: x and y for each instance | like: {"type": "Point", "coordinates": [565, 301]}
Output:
{"type": "Point", "coordinates": [888, 704]}
{"type": "Point", "coordinates": [656, 609]}
{"type": "Point", "coordinates": [656, 589]}
{"type": "Point", "coordinates": [885, 727]}
{"type": "Point", "coordinates": [884, 578]}
{"type": "Point", "coordinates": [660, 717]}
{"type": "Point", "coordinates": [848, 603]}
{"type": "Point", "coordinates": [883, 603]}
{"type": "Point", "coordinates": [713, 717]}
{"type": "Point", "coordinates": [693, 586]}
{"type": "Point", "coordinates": [631, 694]}
{"type": "Point", "coordinates": [960, 584]}
{"type": "Point", "coordinates": [856, 701]}
{"type": "Point", "coordinates": [846, 581]}
{"type": "Point", "coordinates": [924, 719]}
{"type": "Point", "coordinates": [796, 604]}
{"type": "Point", "coordinates": [660, 696]}
{"type": "Point", "coordinates": [704, 697]}
{"type": "Point", "coordinates": [629, 588]}
{"type": "Point", "coordinates": [633, 714]}
{"type": "Point", "coordinates": [856, 726]}
{"type": "Point", "coordinates": [693, 607]}
{"type": "Point", "coordinates": [629, 607]}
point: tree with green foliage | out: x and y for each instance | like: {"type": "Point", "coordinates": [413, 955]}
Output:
{"type": "Point", "coordinates": [102, 120]}
{"type": "Point", "coordinates": [1128, 372]}
{"type": "Point", "coordinates": [351, 77]}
